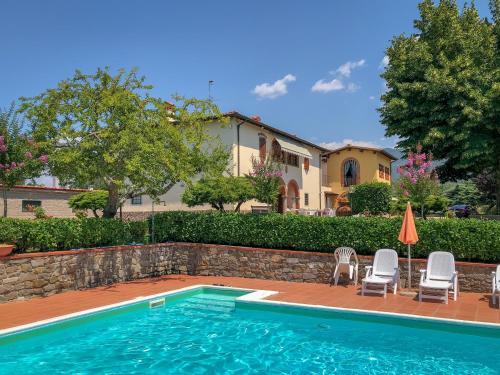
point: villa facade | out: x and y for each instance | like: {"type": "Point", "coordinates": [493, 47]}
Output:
{"type": "Point", "coordinates": [351, 165]}
{"type": "Point", "coordinates": [313, 176]}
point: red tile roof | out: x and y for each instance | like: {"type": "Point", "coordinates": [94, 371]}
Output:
{"type": "Point", "coordinates": [253, 120]}
{"type": "Point", "coordinates": [46, 188]}
{"type": "Point", "coordinates": [381, 150]}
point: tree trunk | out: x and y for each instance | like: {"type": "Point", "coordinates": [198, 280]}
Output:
{"type": "Point", "coordinates": [238, 206]}
{"type": "Point", "coordinates": [4, 195]}
{"type": "Point", "coordinates": [113, 202]}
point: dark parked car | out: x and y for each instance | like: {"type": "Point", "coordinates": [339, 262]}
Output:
{"type": "Point", "coordinates": [463, 210]}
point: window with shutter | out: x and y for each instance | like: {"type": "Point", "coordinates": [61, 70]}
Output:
{"type": "Point", "coordinates": [306, 164]}
{"type": "Point", "coordinates": [381, 171]}
{"type": "Point", "coordinates": [262, 147]}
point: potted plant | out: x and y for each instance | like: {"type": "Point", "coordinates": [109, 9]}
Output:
{"type": "Point", "coordinates": [6, 249]}
{"type": "Point", "coordinates": [9, 234]}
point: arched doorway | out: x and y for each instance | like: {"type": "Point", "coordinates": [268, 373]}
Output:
{"type": "Point", "coordinates": [282, 197]}
{"type": "Point", "coordinates": [293, 198]}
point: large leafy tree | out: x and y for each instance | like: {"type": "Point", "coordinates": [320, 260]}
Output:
{"type": "Point", "coordinates": [444, 89]}
{"type": "Point", "coordinates": [106, 131]}
{"type": "Point", "coordinates": [219, 192]}
{"type": "Point", "coordinates": [20, 157]}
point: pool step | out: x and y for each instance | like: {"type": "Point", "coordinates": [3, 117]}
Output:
{"type": "Point", "coordinates": [207, 304]}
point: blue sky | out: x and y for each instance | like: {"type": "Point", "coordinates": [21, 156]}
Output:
{"type": "Point", "coordinates": [310, 68]}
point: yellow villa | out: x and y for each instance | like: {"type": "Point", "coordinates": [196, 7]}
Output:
{"type": "Point", "coordinates": [351, 165]}
{"type": "Point", "coordinates": [313, 177]}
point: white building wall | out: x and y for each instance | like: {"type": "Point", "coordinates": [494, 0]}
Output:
{"type": "Point", "coordinates": [308, 182]}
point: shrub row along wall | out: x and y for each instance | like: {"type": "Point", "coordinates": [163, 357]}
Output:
{"type": "Point", "coordinates": [468, 240]}
{"type": "Point", "coordinates": [63, 234]}
{"type": "Point", "coordinates": [40, 274]}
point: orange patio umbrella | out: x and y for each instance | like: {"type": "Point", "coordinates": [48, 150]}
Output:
{"type": "Point", "coordinates": [408, 235]}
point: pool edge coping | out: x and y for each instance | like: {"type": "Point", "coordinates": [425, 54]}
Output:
{"type": "Point", "coordinates": [257, 296]}
{"type": "Point", "coordinates": [94, 310]}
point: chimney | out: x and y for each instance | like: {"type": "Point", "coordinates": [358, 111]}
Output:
{"type": "Point", "coordinates": [256, 118]}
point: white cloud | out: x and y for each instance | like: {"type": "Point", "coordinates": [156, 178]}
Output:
{"type": "Point", "coordinates": [333, 85]}
{"type": "Point", "coordinates": [384, 62]}
{"type": "Point", "coordinates": [338, 83]}
{"type": "Point", "coordinates": [372, 97]}
{"type": "Point", "coordinates": [273, 90]}
{"type": "Point", "coordinates": [345, 70]}
{"type": "Point", "coordinates": [334, 145]}
{"type": "Point", "coordinates": [352, 87]}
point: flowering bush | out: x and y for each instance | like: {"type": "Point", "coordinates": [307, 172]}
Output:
{"type": "Point", "coordinates": [265, 177]}
{"type": "Point", "coordinates": [20, 156]}
{"type": "Point", "coordinates": [419, 182]}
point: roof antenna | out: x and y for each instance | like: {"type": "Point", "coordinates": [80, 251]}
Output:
{"type": "Point", "coordinates": [210, 83]}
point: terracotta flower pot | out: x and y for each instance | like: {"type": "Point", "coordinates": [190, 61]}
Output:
{"type": "Point", "coordinates": [5, 249]}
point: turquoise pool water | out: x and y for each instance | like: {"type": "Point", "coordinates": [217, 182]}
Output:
{"type": "Point", "coordinates": [203, 332]}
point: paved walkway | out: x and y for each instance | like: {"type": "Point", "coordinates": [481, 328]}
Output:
{"type": "Point", "coordinates": [470, 306]}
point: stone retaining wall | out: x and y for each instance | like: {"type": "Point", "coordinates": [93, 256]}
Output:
{"type": "Point", "coordinates": [40, 274]}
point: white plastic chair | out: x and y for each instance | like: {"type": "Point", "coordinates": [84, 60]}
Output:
{"type": "Point", "coordinates": [343, 258]}
{"type": "Point", "coordinates": [496, 286]}
{"type": "Point", "coordinates": [440, 276]}
{"type": "Point", "coordinates": [385, 271]}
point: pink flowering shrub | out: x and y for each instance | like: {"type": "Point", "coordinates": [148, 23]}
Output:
{"type": "Point", "coordinates": [12, 160]}
{"type": "Point", "coordinates": [419, 181]}
{"type": "Point", "coordinates": [20, 156]}
{"type": "Point", "coordinates": [265, 177]}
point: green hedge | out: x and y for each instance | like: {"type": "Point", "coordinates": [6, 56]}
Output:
{"type": "Point", "coordinates": [63, 234]}
{"type": "Point", "coordinates": [468, 239]}
{"type": "Point", "coordinates": [372, 196]}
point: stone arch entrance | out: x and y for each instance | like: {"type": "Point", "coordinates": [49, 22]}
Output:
{"type": "Point", "coordinates": [293, 198]}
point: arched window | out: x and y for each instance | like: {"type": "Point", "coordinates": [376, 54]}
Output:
{"type": "Point", "coordinates": [350, 172]}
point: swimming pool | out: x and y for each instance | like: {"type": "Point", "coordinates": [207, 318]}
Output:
{"type": "Point", "coordinates": [209, 330]}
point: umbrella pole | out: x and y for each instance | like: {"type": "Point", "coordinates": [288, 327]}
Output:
{"type": "Point", "coordinates": [409, 268]}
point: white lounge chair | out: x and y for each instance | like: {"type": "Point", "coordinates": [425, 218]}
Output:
{"type": "Point", "coordinates": [439, 277]}
{"type": "Point", "coordinates": [496, 286]}
{"type": "Point", "coordinates": [384, 272]}
{"type": "Point", "coordinates": [344, 265]}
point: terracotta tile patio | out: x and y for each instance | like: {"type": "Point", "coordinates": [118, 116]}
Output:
{"type": "Point", "coordinates": [470, 306]}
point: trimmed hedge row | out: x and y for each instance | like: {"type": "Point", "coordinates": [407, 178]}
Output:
{"type": "Point", "coordinates": [63, 234]}
{"type": "Point", "coordinates": [469, 240]}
